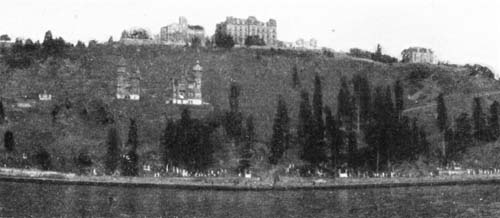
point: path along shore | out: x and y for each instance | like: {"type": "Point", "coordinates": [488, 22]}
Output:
{"type": "Point", "coordinates": [238, 183]}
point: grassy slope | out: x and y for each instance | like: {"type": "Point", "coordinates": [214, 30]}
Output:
{"type": "Point", "coordinates": [262, 75]}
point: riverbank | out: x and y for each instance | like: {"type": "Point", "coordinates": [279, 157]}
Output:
{"type": "Point", "coordinates": [237, 183]}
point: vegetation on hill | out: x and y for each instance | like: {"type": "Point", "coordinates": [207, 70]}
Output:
{"type": "Point", "coordinates": [356, 118]}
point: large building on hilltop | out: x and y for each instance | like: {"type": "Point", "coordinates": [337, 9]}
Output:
{"type": "Point", "coordinates": [181, 33]}
{"type": "Point", "coordinates": [417, 55]}
{"type": "Point", "coordinates": [128, 82]}
{"type": "Point", "coordinates": [186, 90]}
{"type": "Point", "coordinates": [240, 29]}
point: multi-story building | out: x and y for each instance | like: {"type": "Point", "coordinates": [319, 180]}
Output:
{"type": "Point", "coordinates": [240, 29]}
{"type": "Point", "coordinates": [181, 33]}
{"type": "Point", "coordinates": [417, 55]}
{"type": "Point", "coordinates": [128, 83]}
{"type": "Point", "coordinates": [186, 90]}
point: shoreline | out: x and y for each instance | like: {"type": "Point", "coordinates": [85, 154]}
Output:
{"type": "Point", "coordinates": [241, 184]}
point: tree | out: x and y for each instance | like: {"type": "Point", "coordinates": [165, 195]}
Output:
{"type": "Point", "coordinates": [479, 119]}
{"type": "Point", "coordinates": [80, 45]}
{"type": "Point", "coordinates": [280, 132]}
{"type": "Point", "coordinates": [345, 107]}
{"type": "Point", "coordinates": [305, 122]}
{"type": "Point", "coordinates": [493, 124]}
{"type": "Point", "coordinates": [113, 151]}
{"type": "Point", "coordinates": [110, 40]}
{"type": "Point", "coordinates": [442, 122]}
{"type": "Point", "coordinates": [295, 77]}
{"type": "Point", "coordinates": [133, 140]}
{"type": "Point", "coordinates": [362, 94]}
{"type": "Point", "coordinates": [2, 113]}
{"type": "Point", "coordinates": [8, 140]}
{"type": "Point", "coordinates": [335, 137]}
{"type": "Point", "coordinates": [462, 137]}
{"type": "Point", "coordinates": [254, 40]}
{"type": "Point", "coordinates": [352, 146]}
{"type": "Point", "coordinates": [399, 98]}
{"type": "Point", "coordinates": [375, 134]}
{"type": "Point", "coordinates": [4, 37]}
{"type": "Point", "coordinates": [224, 40]}
{"type": "Point", "coordinates": [131, 158]}
{"type": "Point", "coordinates": [83, 161]}
{"type": "Point", "coordinates": [234, 117]}
{"type": "Point", "coordinates": [195, 42]}
{"type": "Point", "coordinates": [168, 142]}
{"type": "Point", "coordinates": [43, 159]}
{"type": "Point", "coordinates": [377, 56]}
{"type": "Point", "coordinates": [318, 133]}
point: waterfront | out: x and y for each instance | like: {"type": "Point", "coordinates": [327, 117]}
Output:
{"type": "Point", "coordinates": [47, 200]}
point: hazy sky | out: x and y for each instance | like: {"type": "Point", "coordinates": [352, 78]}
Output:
{"type": "Point", "coordinates": [458, 31]}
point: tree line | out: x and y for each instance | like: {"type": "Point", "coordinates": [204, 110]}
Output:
{"type": "Point", "coordinates": [330, 141]}
{"type": "Point", "coordinates": [465, 131]}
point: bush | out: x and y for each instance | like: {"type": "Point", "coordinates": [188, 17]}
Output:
{"type": "Point", "coordinates": [223, 40]}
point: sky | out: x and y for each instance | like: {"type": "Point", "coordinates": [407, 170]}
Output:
{"type": "Point", "coordinates": [458, 31]}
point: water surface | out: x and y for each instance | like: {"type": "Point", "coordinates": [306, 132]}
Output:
{"type": "Point", "coordinates": [49, 200]}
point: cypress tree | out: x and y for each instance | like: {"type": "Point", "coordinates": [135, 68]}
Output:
{"type": "Point", "coordinates": [442, 123]}
{"type": "Point", "coordinates": [352, 146]}
{"type": "Point", "coordinates": [305, 129]}
{"type": "Point", "coordinates": [133, 140]}
{"type": "Point", "coordinates": [399, 98]}
{"type": "Point", "coordinates": [168, 142]}
{"type": "Point", "coordinates": [295, 77]}
{"type": "Point", "coordinates": [344, 104]}
{"type": "Point", "coordinates": [113, 151]}
{"type": "Point", "coordinates": [335, 137]}
{"type": "Point", "coordinates": [319, 126]}
{"type": "Point", "coordinates": [280, 130]}
{"type": "Point", "coordinates": [478, 117]}
{"type": "Point", "coordinates": [462, 137]}
{"type": "Point", "coordinates": [305, 119]}
{"type": "Point", "coordinates": [2, 113]}
{"type": "Point", "coordinates": [493, 124]}
{"type": "Point", "coordinates": [362, 94]}
{"type": "Point", "coordinates": [389, 127]}
{"type": "Point", "coordinates": [234, 117]}
{"type": "Point", "coordinates": [424, 143]}
{"type": "Point", "coordinates": [8, 140]}
{"type": "Point", "coordinates": [442, 113]}
{"type": "Point", "coordinates": [131, 158]}
{"type": "Point", "coordinates": [375, 135]}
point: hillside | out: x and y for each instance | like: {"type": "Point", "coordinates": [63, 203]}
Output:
{"type": "Point", "coordinates": [86, 81]}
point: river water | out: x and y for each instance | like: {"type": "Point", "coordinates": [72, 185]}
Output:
{"type": "Point", "coordinates": [47, 200]}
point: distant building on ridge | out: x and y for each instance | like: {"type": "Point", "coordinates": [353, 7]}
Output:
{"type": "Point", "coordinates": [417, 55]}
{"type": "Point", "coordinates": [181, 33]}
{"type": "Point", "coordinates": [240, 29]}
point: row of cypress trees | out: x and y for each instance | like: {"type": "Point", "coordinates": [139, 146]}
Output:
{"type": "Point", "coordinates": [466, 131]}
{"type": "Point", "coordinates": [375, 119]}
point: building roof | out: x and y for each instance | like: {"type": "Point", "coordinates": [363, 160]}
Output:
{"type": "Point", "coordinates": [195, 27]}
{"type": "Point", "coordinates": [418, 49]}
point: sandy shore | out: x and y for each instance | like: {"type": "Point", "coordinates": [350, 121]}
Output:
{"type": "Point", "coordinates": [237, 183]}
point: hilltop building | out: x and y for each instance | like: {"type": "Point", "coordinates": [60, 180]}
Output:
{"type": "Point", "coordinates": [186, 90]}
{"type": "Point", "coordinates": [137, 36]}
{"type": "Point", "coordinates": [303, 44]}
{"type": "Point", "coordinates": [240, 29]}
{"type": "Point", "coordinates": [128, 83]}
{"type": "Point", "coordinates": [417, 55]}
{"type": "Point", "coordinates": [181, 33]}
